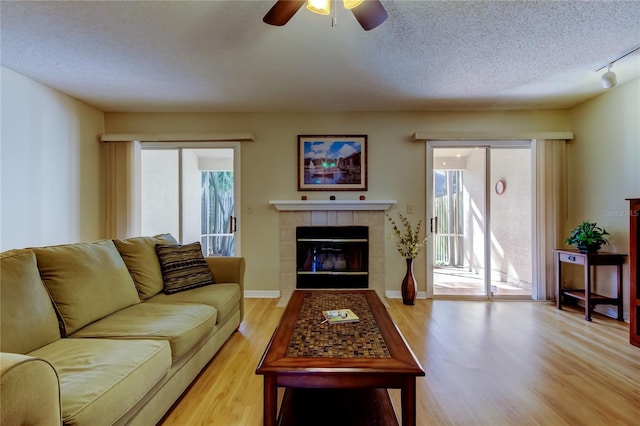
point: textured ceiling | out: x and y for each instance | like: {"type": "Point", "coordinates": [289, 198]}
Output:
{"type": "Point", "coordinates": [220, 56]}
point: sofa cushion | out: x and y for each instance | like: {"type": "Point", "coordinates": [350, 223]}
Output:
{"type": "Point", "coordinates": [225, 297]}
{"type": "Point", "coordinates": [139, 254]}
{"type": "Point", "coordinates": [27, 317]}
{"type": "Point", "coordinates": [183, 267]}
{"type": "Point", "coordinates": [183, 325]}
{"type": "Point", "coordinates": [102, 379]}
{"type": "Point", "coordinates": [87, 281]}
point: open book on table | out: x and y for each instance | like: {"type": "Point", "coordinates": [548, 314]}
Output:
{"type": "Point", "coordinates": [339, 316]}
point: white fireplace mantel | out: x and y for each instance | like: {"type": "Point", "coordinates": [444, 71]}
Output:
{"type": "Point", "coordinates": [305, 205]}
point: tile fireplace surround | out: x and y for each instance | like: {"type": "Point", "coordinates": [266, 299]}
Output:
{"type": "Point", "coordinates": [331, 213]}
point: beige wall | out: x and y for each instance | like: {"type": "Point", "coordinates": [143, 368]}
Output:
{"type": "Point", "coordinates": [604, 168]}
{"type": "Point", "coordinates": [269, 165]}
{"type": "Point", "coordinates": [52, 184]}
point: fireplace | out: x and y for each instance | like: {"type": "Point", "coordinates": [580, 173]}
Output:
{"type": "Point", "coordinates": [312, 213]}
{"type": "Point", "coordinates": [332, 257]}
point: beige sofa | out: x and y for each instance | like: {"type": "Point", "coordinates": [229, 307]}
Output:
{"type": "Point", "coordinates": [89, 337]}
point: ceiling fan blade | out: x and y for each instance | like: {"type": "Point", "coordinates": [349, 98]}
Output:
{"type": "Point", "coordinates": [370, 14]}
{"type": "Point", "coordinates": [282, 11]}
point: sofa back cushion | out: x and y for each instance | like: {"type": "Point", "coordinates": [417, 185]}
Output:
{"type": "Point", "coordinates": [87, 281]}
{"type": "Point", "coordinates": [139, 254]}
{"type": "Point", "coordinates": [27, 318]}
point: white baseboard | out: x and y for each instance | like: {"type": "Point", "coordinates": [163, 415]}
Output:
{"type": "Point", "coordinates": [394, 294]}
{"type": "Point", "coordinates": [262, 294]}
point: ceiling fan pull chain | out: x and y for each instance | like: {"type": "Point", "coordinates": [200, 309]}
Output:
{"type": "Point", "coordinates": [334, 19]}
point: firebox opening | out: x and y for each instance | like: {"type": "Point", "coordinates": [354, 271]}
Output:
{"type": "Point", "coordinates": [332, 257]}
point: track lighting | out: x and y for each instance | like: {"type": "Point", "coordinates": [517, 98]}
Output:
{"type": "Point", "coordinates": [609, 79]}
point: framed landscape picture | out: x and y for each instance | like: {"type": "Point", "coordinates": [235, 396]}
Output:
{"type": "Point", "coordinates": [332, 163]}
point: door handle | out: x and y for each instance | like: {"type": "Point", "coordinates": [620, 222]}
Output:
{"type": "Point", "coordinates": [434, 225]}
{"type": "Point", "coordinates": [233, 224]}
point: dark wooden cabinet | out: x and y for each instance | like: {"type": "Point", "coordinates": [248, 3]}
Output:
{"type": "Point", "coordinates": [634, 260]}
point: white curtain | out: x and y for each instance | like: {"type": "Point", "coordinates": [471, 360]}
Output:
{"type": "Point", "coordinates": [122, 186]}
{"type": "Point", "coordinates": [551, 206]}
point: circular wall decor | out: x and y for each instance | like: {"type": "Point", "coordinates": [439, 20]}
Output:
{"type": "Point", "coordinates": [500, 187]}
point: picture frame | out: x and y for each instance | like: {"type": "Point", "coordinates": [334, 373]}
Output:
{"type": "Point", "coordinates": [332, 162]}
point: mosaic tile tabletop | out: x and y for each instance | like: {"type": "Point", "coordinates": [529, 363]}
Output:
{"type": "Point", "coordinates": [347, 340]}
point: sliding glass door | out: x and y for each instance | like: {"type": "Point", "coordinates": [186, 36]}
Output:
{"type": "Point", "coordinates": [190, 193]}
{"type": "Point", "coordinates": [481, 220]}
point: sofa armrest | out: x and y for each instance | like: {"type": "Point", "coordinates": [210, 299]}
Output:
{"type": "Point", "coordinates": [29, 391]}
{"type": "Point", "coordinates": [229, 269]}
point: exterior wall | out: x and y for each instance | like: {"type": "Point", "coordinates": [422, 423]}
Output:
{"type": "Point", "coordinates": [52, 188]}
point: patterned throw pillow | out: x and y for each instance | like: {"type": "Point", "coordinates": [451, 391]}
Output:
{"type": "Point", "coordinates": [183, 267]}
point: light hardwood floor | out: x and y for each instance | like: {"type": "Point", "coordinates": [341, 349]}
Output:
{"type": "Point", "coordinates": [487, 363]}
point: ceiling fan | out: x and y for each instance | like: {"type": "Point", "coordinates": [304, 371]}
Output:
{"type": "Point", "coordinates": [369, 13]}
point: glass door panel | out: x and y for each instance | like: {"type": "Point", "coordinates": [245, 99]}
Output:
{"type": "Point", "coordinates": [160, 192]}
{"type": "Point", "coordinates": [511, 222]}
{"type": "Point", "coordinates": [191, 194]}
{"type": "Point", "coordinates": [459, 176]}
{"type": "Point", "coordinates": [217, 214]}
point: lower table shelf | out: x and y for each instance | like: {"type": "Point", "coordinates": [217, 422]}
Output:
{"type": "Point", "coordinates": [322, 407]}
{"type": "Point", "coordinates": [596, 299]}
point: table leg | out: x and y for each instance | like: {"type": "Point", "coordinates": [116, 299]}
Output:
{"type": "Point", "coordinates": [270, 404]}
{"type": "Point", "coordinates": [587, 291]}
{"type": "Point", "coordinates": [408, 396]}
{"type": "Point", "coordinates": [620, 296]}
{"type": "Point", "coordinates": [558, 282]}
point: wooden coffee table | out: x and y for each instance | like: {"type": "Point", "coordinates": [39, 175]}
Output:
{"type": "Point", "coordinates": [306, 353]}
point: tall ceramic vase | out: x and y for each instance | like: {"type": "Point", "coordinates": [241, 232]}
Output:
{"type": "Point", "coordinates": [409, 287]}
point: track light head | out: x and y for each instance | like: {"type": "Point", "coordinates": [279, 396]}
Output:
{"type": "Point", "coordinates": [609, 79]}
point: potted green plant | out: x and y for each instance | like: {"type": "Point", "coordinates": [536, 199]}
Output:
{"type": "Point", "coordinates": [587, 237]}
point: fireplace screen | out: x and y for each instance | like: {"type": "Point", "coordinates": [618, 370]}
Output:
{"type": "Point", "coordinates": [332, 257]}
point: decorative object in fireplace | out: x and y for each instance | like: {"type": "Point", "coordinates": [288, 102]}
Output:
{"type": "Point", "coordinates": [332, 257]}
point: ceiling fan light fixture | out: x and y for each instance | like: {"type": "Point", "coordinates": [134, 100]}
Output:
{"type": "Point", "coordinates": [609, 79]}
{"type": "Point", "coordinates": [369, 14]}
{"type": "Point", "coordinates": [321, 7]}
{"type": "Point", "coordinates": [350, 4]}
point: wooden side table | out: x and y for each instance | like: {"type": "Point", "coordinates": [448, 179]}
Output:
{"type": "Point", "coordinates": [588, 260]}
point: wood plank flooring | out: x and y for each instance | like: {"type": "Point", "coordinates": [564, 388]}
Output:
{"type": "Point", "coordinates": [487, 363]}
